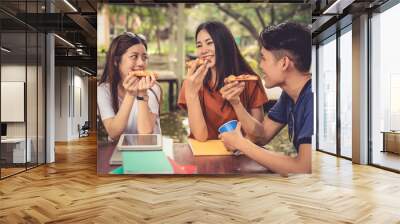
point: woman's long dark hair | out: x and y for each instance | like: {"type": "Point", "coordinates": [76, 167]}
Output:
{"type": "Point", "coordinates": [228, 59]}
{"type": "Point", "coordinates": [111, 74]}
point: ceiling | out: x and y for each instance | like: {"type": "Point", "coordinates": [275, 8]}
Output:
{"type": "Point", "coordinates": [76, 22]}
{"type": "Point", "coordinates": [330, 15]}
{"type": "Point", "coordinates": [73, 20]}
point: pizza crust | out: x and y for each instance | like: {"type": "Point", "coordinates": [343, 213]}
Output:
{"type": "Point", "coordinates": [143, 73]}
{"type": "Point", "coordinates": [244, 77]}
{"type": "Point", "coordinates": [192, 62]}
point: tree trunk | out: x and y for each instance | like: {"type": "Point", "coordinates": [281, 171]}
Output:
{"type": "Point", "coordinates": [158, 40]}
{"type": "Point", "coordinates": [242, 20]}
{"type": "Point", "coordinates": [273, 15]}
{"type": "Point", "coordinates": [259, 16]}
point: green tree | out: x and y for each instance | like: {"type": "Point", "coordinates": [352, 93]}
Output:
{"type": "Point", "coordinates": [152, 20]}
{"type": "Point", "coordinates": [254, 17]}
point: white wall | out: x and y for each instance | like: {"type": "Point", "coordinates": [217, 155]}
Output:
{"type": "Point", "coordinates": [71, 93]}
{"type": "Point", "coordinates": [80, 97]}
{"type": "Point", "coordinates": [12, 73]}
{"type": "Point", "coordinates": [61, 103]}
{"type": "Point", "coordinates": [82, 83]}
{"type": "Point", "coordinates": [34, 124]}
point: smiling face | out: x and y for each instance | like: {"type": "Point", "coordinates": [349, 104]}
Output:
{"type": "Point", "coordinates": [135, 58]}
{"type": "Point", "coordinates": [205, 47]}
{"type": "Point", "coordinates": [272, 68]}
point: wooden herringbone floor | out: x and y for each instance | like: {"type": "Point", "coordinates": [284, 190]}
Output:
{"type": "Point", "coordinates": [69, 191]}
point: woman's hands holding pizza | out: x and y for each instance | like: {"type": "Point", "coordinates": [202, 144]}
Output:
{"type": "Point", "coordinates": [234, 86]}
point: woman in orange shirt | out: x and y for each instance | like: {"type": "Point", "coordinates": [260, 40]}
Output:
{"type": "Point", "coordinates": [201, 93]}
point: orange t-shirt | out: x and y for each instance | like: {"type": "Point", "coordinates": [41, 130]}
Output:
{"type": "Point", "coordinates": [212, 103]}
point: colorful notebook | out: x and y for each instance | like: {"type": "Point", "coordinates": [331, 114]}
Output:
{"type": "Point", "coordinates": [208, 148]}
{"type": "Point", "coordinates": [146, 162]}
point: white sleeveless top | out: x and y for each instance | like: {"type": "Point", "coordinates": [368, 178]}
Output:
{"type": "Point", "coordinates": [104, 104]}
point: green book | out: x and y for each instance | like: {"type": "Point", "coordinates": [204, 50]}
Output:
{"type": "Point", "coordinates": [146, 162]}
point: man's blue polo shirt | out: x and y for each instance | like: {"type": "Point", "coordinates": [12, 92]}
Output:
{"type": "Point", "coordinates": [298, 116]}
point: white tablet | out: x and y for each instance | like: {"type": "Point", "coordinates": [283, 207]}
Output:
{"type": "Point", "coordinates": [116, 157]}
{"type": "Point", "coordinates": [138, 142]}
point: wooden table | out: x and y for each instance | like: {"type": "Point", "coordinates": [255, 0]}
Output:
{"type": "Point", "coordinates": [182, 155]}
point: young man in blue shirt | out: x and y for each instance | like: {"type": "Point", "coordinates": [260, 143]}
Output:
{"type": "Point", "coordinates": [285, 61]}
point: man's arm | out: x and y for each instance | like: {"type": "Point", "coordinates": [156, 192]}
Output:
{"type": "Point", "coordinates": [270, 129]}
{"type": "Point", "coordinates": [257, 132]}
{"type": "Point", "coordinates": [276, 162]}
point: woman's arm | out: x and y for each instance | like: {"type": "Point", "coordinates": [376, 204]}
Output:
{"type": "Point", "coordinates": [251, 123]}
{"type": "Point", "coordinates": [256, 129]}
{"type": "Point", "coordinates": [146, 118]}
{"type": "Point", "coordinates": [116, 125]}
{"type": "Point", "coordinates": [194, 82]}
{"type": "Point", "coordinates": [258, 113]}
{"type": "Point", "coordinates": [197, 122]}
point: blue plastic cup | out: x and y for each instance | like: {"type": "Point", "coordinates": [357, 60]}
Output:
{"type": "Point", "coordinates": [228, 126]}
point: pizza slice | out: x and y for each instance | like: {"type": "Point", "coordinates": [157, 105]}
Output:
{"type": "Point", "coordinates": [244, 77]}
{"type": "Point", "coordinates": [192, 62]}
{"type": "Point", "coordinates": [142, 73]}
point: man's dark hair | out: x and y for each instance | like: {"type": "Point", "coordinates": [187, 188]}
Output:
{"type": "Point", "coordinates": [293, 38]}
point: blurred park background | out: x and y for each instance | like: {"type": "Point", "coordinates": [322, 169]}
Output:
{"type": "Point", "coordinates": [169, 30]}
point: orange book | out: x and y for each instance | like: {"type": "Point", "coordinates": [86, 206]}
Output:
{"type": "Point", "coordinates": [208, 148]}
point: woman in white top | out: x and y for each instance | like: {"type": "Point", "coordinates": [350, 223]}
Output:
{"type": "Point", "coordinates": [128, 104]}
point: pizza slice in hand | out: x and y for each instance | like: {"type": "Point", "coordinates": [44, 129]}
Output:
{"type": "Point", "coordinates": [142, 73]}
{"type": "Point", "coordinates": [244, 77]}
{"type": "Point", "coordinates": [192, 62]}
